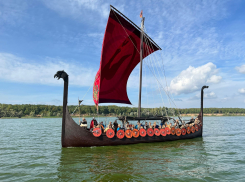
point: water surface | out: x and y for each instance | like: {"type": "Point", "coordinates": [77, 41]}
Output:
{"type": "Point", "coordinates": [31, 150]}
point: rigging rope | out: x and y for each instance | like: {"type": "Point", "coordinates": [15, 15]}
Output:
{"type": "Point", "coordinates": [147, 43]}
{"type": "Point", "coordinates": [167, 92]}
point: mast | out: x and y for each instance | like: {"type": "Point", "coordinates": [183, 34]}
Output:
{"type": "Point", "coordinates": [141, 62]}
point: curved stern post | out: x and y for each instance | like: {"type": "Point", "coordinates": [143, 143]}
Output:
{"type": "Point", "coordinates": [202, 103]}
{"type": "Point", "coordinates": [64, 75]}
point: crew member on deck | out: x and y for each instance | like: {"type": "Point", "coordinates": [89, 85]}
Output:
{"type": "Point", "coordinates": [192, 120]}
{"type": "Point", "coordinates": [115, 126]}
{"type": "Point", "coordinates": [84, 123]}
{"type": "Point", "coordinates": [93, 123]}
{"type": "Point", "coordinates": [119, 127]}
{"type": "Point", "coordinates": [146, 126]}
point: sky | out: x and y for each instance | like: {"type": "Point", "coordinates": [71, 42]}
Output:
{"type": "Point", "coordinates": [202, 41]}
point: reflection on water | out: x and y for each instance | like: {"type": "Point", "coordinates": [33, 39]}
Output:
{"type": "Point", "coordinates": [134, 162]}
{"type": "Point", "coordinates": [30, 150]}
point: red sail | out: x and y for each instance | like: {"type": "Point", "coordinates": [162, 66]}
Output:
{"type": "Point", "coordinates": [120, 54]}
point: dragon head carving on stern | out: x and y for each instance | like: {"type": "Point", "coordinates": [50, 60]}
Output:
{"type": "Point", "coordinates": [61, 74]}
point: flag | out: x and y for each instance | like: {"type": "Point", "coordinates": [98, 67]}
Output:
{"type": "Point", "coordinates": [141, 14]}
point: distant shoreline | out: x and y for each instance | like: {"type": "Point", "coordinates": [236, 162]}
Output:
{"type": "Point", "coordinates": [87, 116]}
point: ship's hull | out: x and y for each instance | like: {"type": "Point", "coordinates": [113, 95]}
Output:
{"type": "Point", "coordinates": [75, 136]}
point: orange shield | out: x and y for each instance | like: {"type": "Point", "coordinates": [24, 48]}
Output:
{"type": "Point", "coordinates": [128, 133]}
{"type": "Point", "coordinates": [97, 132]}
{"type": "Point", "coordinates": [196, 127]}
{"type": "Point", "coordinates": [193, 129]}
{"type": "Point", "coordinates": [135, 133]}
{"type": "Point", "coordinates": [188, 130]}
{"type": "Point", "coordinates": [173, 131]}
{"type": "Point", "coordinates": [167, 131]}
{"type": "Point", "coordinates": [110, 133]}
{"type": "Point", "coordinates": [157, 132]}
{"type": "Point", "coordinates": [163, 132]}
{"type": "Point", "coordinates": [142, 132]}
{"type": "Point", "coordinates": [150, 132]}
{"type": "Point", "coordinates": [183, 131]}
{"type": "Point", "coordinates": [120, 134]}
{"type": "Point", "coordinates": [178, 132]}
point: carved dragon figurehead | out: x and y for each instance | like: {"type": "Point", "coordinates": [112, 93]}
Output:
{"type": "Point", "coordinates": [61, 74]}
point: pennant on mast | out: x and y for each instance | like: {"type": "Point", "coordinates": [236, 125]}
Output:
{"type": "Point", "coordinates": [141, 14]}
{"type": "Point", "coordinates": [119, 56]}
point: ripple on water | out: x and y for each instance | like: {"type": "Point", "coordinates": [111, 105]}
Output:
{"type": "Point", "coordinates": [30, 151]}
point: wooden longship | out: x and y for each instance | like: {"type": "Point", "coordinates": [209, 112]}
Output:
{"type": "Point", "coordinates": [124, 46]}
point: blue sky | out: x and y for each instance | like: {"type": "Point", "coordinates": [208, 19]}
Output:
{"type": "Point", "coordinates": [202, 42]}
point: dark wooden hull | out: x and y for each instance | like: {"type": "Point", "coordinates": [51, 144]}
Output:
{"type": "Point", "coordinates": [75, 136]}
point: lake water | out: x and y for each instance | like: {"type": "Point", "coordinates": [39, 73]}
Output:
{"type": "Point", "coordinates": [30, 150]}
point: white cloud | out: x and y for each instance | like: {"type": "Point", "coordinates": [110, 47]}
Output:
{"type": "Point", "coordinates": [214, 79]}
{"type": "Point", "coordinates": [241, 69]}
{"type": "Point", "coordinates": [15, 69]}
{"type": "Point", "coordinates": [196, 97]}
{"type": "Point", "coordinates": [210, 95]}
{"type": "Point", "coordinates": [192, 79]}
{"type": "Point", "coordinates": [241, 91]}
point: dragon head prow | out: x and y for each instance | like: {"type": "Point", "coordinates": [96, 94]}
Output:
{"type": "Point", "coordinates": [61, 74]}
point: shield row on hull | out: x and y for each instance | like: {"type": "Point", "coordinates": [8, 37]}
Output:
{"type": "Point", "coordinates": [75, 136]}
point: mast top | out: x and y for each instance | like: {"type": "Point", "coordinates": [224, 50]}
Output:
{"type": "Point", "coordinates": [114, 9]}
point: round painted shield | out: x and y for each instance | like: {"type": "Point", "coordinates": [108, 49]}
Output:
{"type": "Point", "coordinates": [167, 131]}
{"type": "Point", "coordinates": [150, 132]}
{"type": "Point", "coordinates": [97, 132]}
{"type": "Point", "coordinates": [178, 132]}
{"type": "Point", "coordinates": [157, 132]}
{"type": "Point", "coordinates": [193, 129]}
{"type": "Point", "coordinates": [128, 133]}
{"type": "Point", "coordinates": [163, 132]}
{"type": "Point", "coordinates": [188, 130]}
{"type": "Point", "coordinates": [110, 133]}
{"type": "Point", "coordinates": [172, 131]}
{"type": "Point", "coordinates": [142, 132]}
{"type": "Point", "coordinates": [135, 133]}
{"type": "Point", "coordinates": [120, 134]}
{"type": "Point", "coordinates": [196, 127]}
{"type": "Point", "coordinates": [183, 131]}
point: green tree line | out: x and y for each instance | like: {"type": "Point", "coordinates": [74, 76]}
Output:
{"type": "Point", "coordinates": [9, 110]}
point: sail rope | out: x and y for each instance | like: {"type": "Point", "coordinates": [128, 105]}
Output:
{"type": "Point", "coordinates": [155, 74]}
{"type": "Point", "coordinates": [159, 75]}
{"type": "Point", "coordinates": [163, 72]}
{"type": "Point", "coordinates": [129, 37]}
{"type": "Point", "coordinates": [85, 94]}
{"type": "Point", "coordinates": [166, 92]}
{"type": "Point", "coordinates": [167, 85]}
